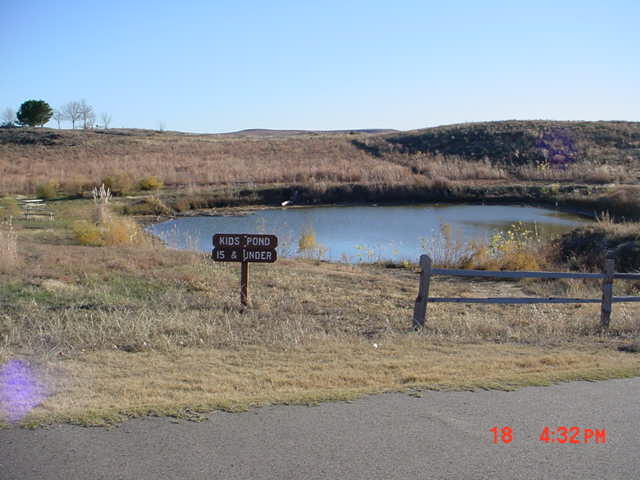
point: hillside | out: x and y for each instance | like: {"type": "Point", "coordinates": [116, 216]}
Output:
{"type": "Point", "coordinates": [526, 142]}
{"type": "Point", "coordinates": [497, 152]}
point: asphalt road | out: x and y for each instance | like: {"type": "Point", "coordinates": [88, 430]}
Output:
{"type": "Point", "coordinates": [442, 435]}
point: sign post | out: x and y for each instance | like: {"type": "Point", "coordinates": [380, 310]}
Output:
{"type": "Point", "coordinates": [244, 283]}
{"type": "Point", "coordinates": [244, 248]}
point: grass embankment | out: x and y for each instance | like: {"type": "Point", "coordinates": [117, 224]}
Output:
{"type": "Point", "coordinates": [124, 330]}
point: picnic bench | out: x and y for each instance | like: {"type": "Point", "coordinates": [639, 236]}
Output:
{"type": "Point", "coordinates": [34, 209]}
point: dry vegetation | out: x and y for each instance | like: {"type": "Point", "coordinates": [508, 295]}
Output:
{"type": "Point", "coordinates": [78, 160]}
{"type": "Point", "coordinates": [116, 324]}
{"type": "Point", "coordinates": [123, 330]}
{"type": "Point", "coordinates": [73, 161]}
{"type": "Point", "coordinates": [9, 259]}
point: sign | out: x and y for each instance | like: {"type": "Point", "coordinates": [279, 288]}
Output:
{"type": "Point", "coordinates": [244, 248]}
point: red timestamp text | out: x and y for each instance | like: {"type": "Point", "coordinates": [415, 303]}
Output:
{"type": "Point", "coordinates": [573, 435]}
{"type": "Point", "coordinates": [560, 435]}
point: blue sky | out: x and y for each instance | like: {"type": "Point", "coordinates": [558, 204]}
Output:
{"type": "Point", "coordinates": [217, 66]}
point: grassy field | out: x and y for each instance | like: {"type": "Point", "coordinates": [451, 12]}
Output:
{"type": "Point", "coordinates": [108, 323]}
{"type": "Point", "coordinates": [131, 329]}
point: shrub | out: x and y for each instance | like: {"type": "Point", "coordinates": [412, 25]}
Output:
{"type": "Point", "coordinates": [308, 245]}
{"type": "Point", "coordinates": [119, 183]}
{"type": "Point", "coordinates": [48, 190]}
{"type": "Point", "coordinates": [88, 233]}
{"type": "Point", "coordinates": [8, 208]}
{"type": "Point", "coordinates": [307, 240]}
{"type": "Point", "coordinates": [628, 256]}
{"type": "Point", "coordinates": [586, 247]}
{"type": "Point", "coordinates": [115, 231]}
{"type": "Point", "coordinates": [147, 206]}
{"type": "Point", "coordinates": [122, 231]}
{"type": "Point", "coordinates": [150, 183]}
{"type": "Point", "coordinates": [182, 204]}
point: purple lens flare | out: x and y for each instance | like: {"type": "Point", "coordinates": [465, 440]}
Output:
{"type": "Point", "coordinates": [558, 148]}
{"type": "Point", "coordinates": [20, 390]}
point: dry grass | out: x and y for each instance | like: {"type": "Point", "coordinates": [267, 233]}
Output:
{"type": "Point", "coordinates": [450, 167]}
{"type": "Point", "coordinates": [585, 172]}
{"type": "Point", "coordinates": [136, 329]}
{"type": "Point", "coordinates": [97, 388]}
{"type": "Point", "coordinates": [517, 248]}
{"type": "Point", "coordinates": [9, 258]}
{"type": "Point", "coordinates": [189, 161]}
{"type": "Point", "coordinates": [125, 160]}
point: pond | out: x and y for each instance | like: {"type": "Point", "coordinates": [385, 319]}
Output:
{"type": "Point", "coordinates": [371, 233]}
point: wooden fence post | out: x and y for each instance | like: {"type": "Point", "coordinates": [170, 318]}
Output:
{"type": "Point", "coordinates": [420, 309]}
{"type": "Point", "coordinates": [607, 290]}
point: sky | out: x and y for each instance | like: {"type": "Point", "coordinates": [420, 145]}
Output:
{"type": "Point", "coordinates": [219, 66]}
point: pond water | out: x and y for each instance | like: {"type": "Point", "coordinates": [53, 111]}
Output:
{"type": "Point", "coordinates": [370, 233]}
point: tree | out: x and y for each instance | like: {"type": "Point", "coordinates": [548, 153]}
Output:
{"type": "Point", "coordinates": [106, 120]}
{"type": "Point", "coordinates": [8, 117]}
{"type": "Point", "coordinates": [86, 114]}
{"type": "Point", "coordinates": [34, 113]}
{"type": "Point", "coordinates": [72, 111]}
{"type": "Point", "coordinates": [59, 117]}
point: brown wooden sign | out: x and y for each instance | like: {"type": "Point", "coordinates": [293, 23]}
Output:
{"type": "Point", "coordinates": [244, 248]}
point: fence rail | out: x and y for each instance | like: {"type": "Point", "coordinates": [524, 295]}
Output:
{"type": "Point", "coordinates": [607, 277]}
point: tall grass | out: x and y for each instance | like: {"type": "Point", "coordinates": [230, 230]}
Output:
{"type": "Point", "coordinates": [8, 247]}
{"type": "Point", "coordinates": [588, 173]}
{"type": "Point", "coordinates": [516, 248]}
{"type": "Point", "coordinates": [107, 228]}
{"type": "Point", "coordinates": [186, 161]}
{"type": "Point", "coordinates": [101, 198]}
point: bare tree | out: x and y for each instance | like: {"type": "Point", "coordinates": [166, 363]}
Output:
{"type": "Point", "coordinates": [8, 116]}
{"type": "Point", "coordinates": [72, 111]}
{"type": "Point", "coordinates": [59, 117]}
{"type": "Point", "coordinates": [87, 114]}
{"type": "Point", "coordinates": [105, 118]}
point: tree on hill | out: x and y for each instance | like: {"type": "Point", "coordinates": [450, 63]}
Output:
{"type": "Point", "coordinates": [59, 117]}
{"type": "Point", "coordinates": [73, 112]}
{"type": "Point", "coordinates": [34, 113]}
{"type": "Point", "coordinates": [106, 120]}
{"type": "Point", "coordinates": [86, 114]}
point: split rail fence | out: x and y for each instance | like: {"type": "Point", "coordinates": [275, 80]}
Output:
{"type": "Point", "coordinates": [607, 276]}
